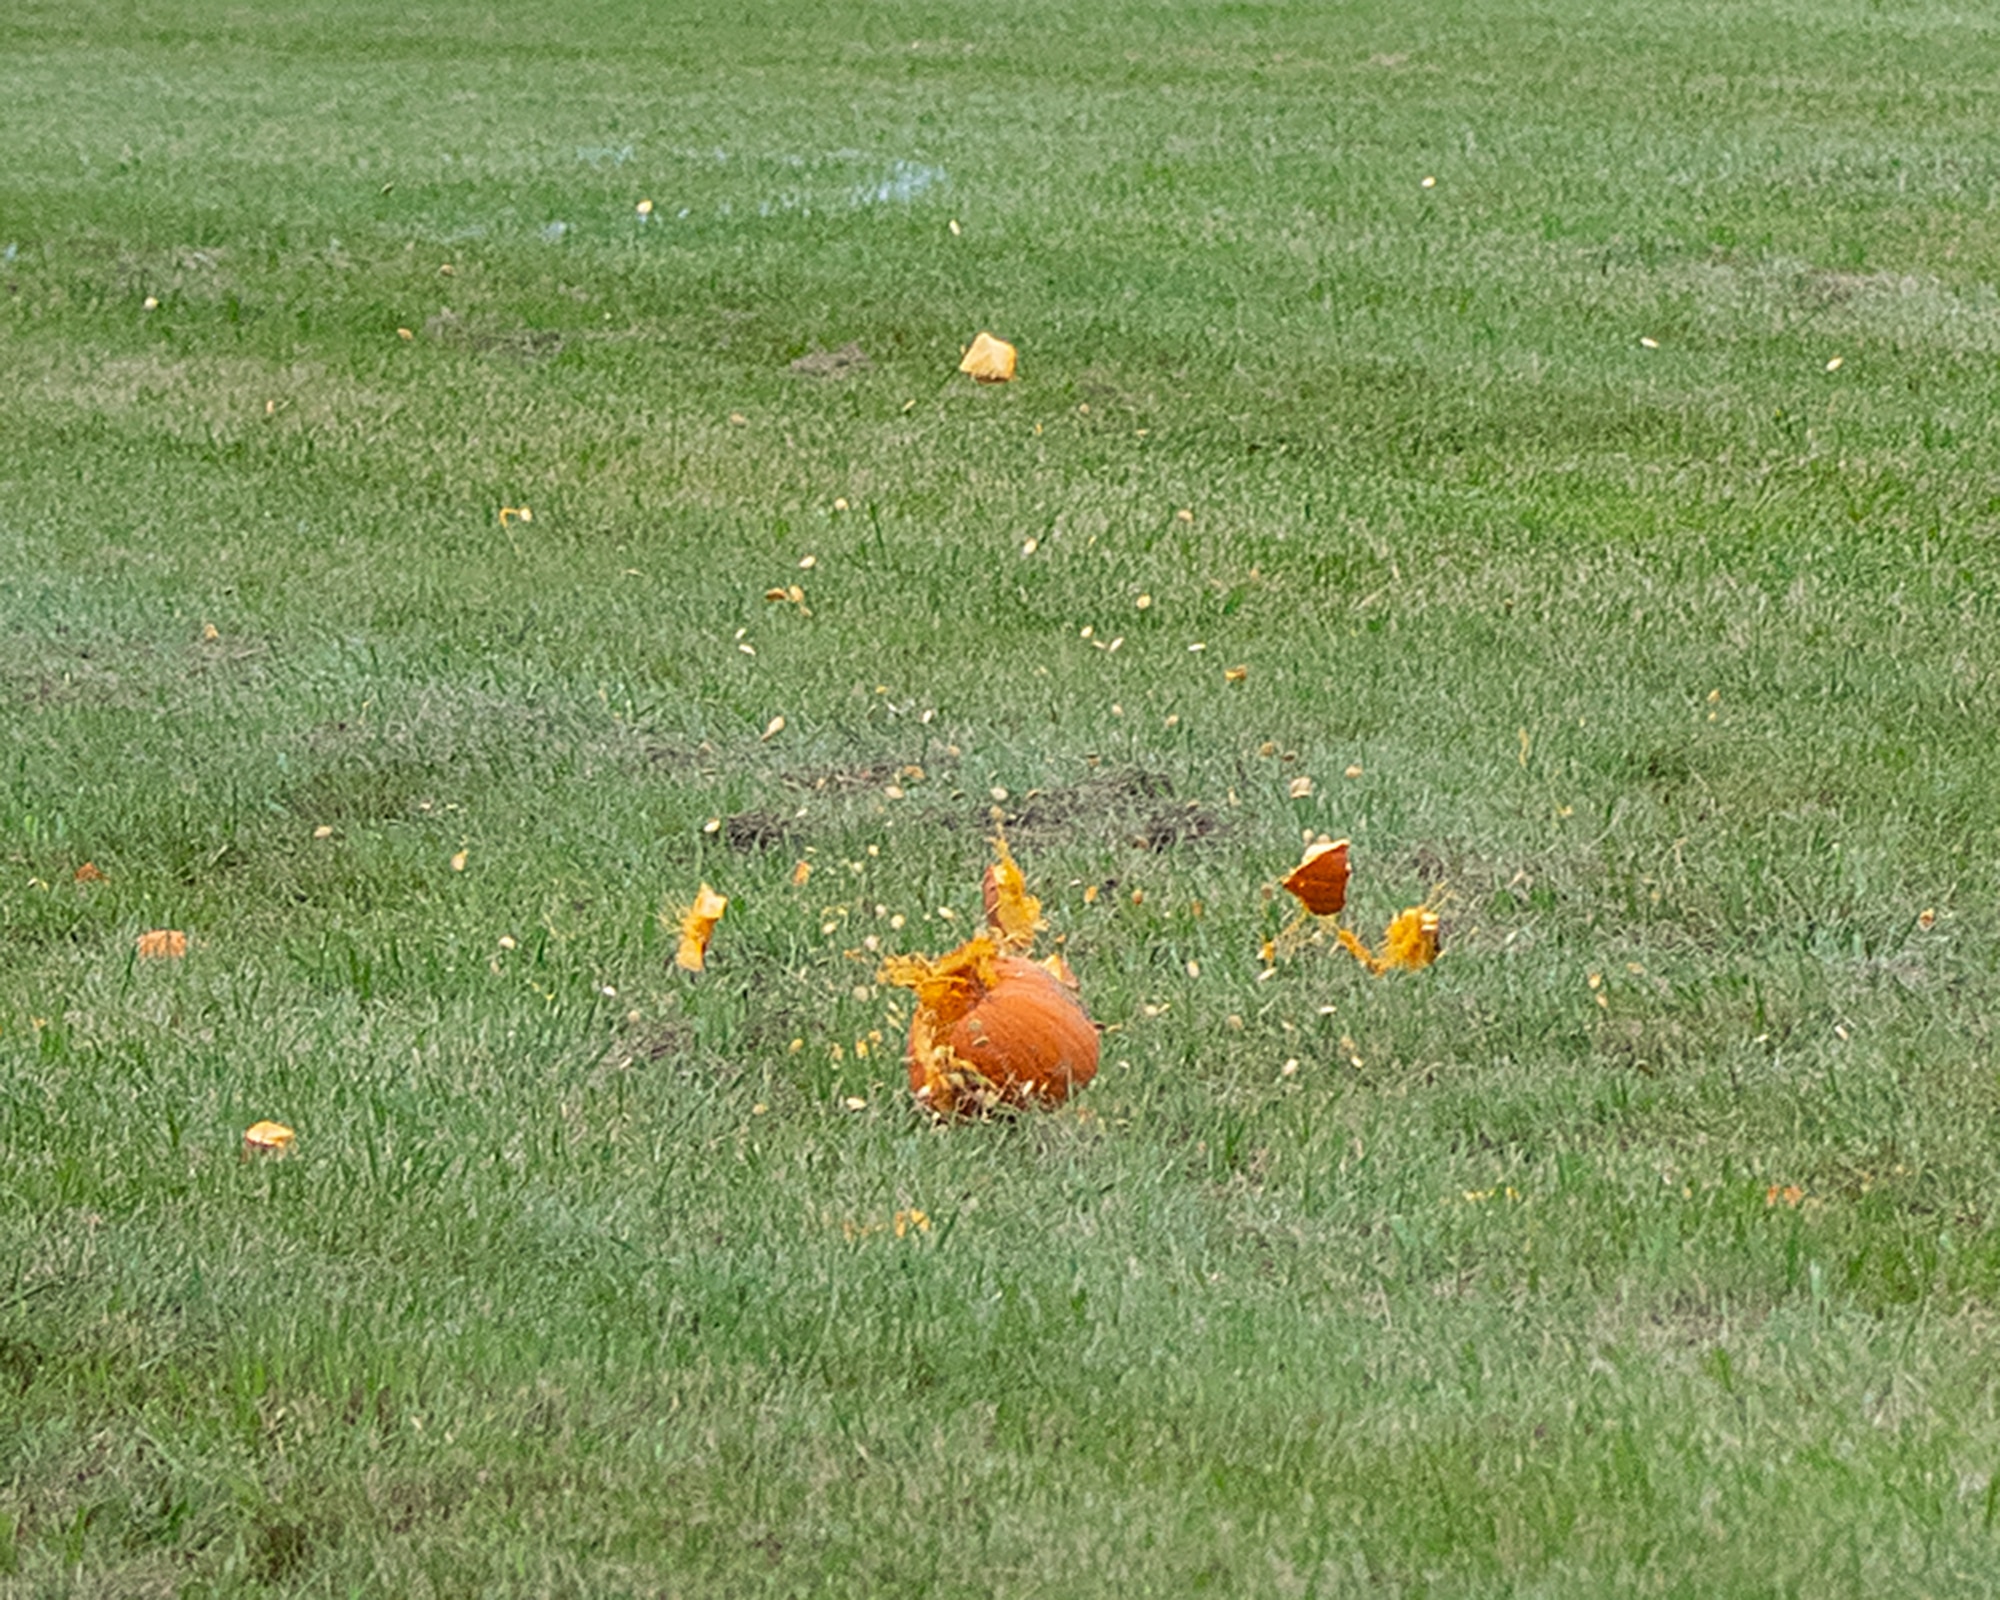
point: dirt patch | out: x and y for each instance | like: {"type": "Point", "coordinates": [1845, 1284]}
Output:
{"type": "Point", "coordinates": [839, 780]}
{"type": "Point", "coordinates": [524, 344]}
{"type": "Point", "coordinates": [1189, 823]}
{"type": "Point", "coordinates": [846, 362]}
{"type": "Point", "coordinates": [645, 1043]}
{"type": "Point", "coordinates": [1132, 807]}
{"type": "Point", "coordinates": [756, 830]}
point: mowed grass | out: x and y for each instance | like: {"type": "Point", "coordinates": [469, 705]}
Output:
{"type": "Point", "coordinates": [1646, 1244]}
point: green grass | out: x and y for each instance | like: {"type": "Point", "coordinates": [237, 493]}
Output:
{"type": "Point", "coordinates": [1674, 664]}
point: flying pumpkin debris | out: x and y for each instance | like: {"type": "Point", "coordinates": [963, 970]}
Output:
{"type": "Point", "coordinates": [1014, 915]}
{"type": "Point", "coordinates": [1319, 882]}
{"type": "Point", "coordinates": [697, 927]}
{"type": "Point", "coordinates": [990, 360]}
{"type": "Point", "coordinates": [993, 1028]}
{"type": "Point", "coordinates": [1410, 942]}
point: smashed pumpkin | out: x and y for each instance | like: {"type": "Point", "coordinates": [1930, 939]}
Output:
{"type": "Point", "coordinates": [994, 1028]}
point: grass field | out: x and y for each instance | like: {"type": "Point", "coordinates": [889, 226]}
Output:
{"type": "Point", "coordinates": [1578, 420]}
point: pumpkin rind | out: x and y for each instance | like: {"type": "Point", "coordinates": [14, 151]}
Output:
{"type": "Point", "coordinates": [1320, 880]}
{"type": "Point", "coordinates": [1024, 1038]}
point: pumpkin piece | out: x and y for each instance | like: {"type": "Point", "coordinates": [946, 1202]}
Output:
{"type": "Point", "coordinates": [1014, 915]}
{"type": "Point", "coordinates": [163, 944]}
{"type": "Point", "coordinates": [267, 1139]}
{"type": "Point", "coordinates": [1411, 940]}
{"type": "Point", "coordinates": [698, 927]}
{"type": "Point", "coordinates": [990, 360]}
{"type": "Point", "coordinates": [1320, 880]}
{"type": "Point", "coordinates": [992, 1030]}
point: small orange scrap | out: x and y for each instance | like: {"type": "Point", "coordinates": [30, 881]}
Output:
{"type": "Point", "coordinates": [163, 944]}
{"type": "Point", "coordinates": [267, 1139]}
{"type": "Point", "coordinates": [698, 927]}
{"type": "Point", "coordinates": [990, 360]}
{"type": "Point", "coordinates": [89, 872]}
{"type": "Point", "coordinates": [1320, 881]}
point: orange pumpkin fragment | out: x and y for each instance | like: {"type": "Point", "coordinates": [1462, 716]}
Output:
{"type": "Point", "coordinates": [1014, 915]}
{"type": "Point", "coordinates": [163, 944]}
{"type": "Point", "coordinates": [89, 872]}
{"type": "Point", "coordinates": [990, 360]}
{"type": "Point", "coordinates": [1320, 881]}
{"type": "Point", "coordinates": [1410, 941]}
{"type": "Point", "coordinates": [267, 1139]}
{"type": "Point", "coordinates": [698, 927]}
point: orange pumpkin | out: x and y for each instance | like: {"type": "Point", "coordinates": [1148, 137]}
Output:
{"type": "Point", "coordinates": [993, 1030]}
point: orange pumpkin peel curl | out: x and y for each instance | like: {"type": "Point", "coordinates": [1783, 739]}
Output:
{"type": "Point", "coordinates": [1319, 882]}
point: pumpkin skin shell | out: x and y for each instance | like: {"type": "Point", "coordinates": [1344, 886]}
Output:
{"type": "Point", "coordinates": [1026, 1036]}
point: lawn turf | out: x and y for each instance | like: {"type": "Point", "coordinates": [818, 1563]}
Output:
{"type": "Point", "coordinates": [1577, 420]}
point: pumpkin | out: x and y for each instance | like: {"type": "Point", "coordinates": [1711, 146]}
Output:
{"type": "Point", "coordinates": [994, 1027]}
{"type": "Point", "coordinates": [993, 1030]}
